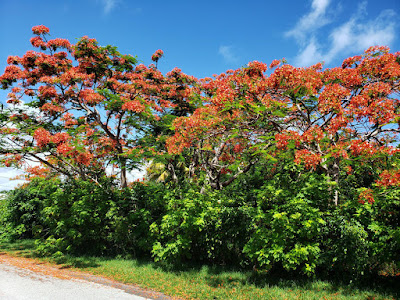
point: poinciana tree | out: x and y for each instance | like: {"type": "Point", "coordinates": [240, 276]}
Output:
{"type": "Point", "coordinates": [79, 108]}
{"type": "Point", "coordinates": [239, 116]}
{"type": "Point", "coordinates": [326, 119]}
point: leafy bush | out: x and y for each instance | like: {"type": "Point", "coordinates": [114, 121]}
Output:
{"type": "Point", "coordinates": [201, 227]}
{"type": "Point", "coordinates": [288, 220]}
{"type": "Point", "coordinates": [286, 235]}
{"type": "Point", "coordinates": [345, 248]}
{"type": "Point", "coordinates": [4, 224]}
{"type": "Point", "coordinates": [362, 238]}
{"type": "Point", "coordinates": [23, 209]}
{"type": "Point", "coordinates": [76, 215]}
{"type": "Point", "coordinates": [285, 221]}
{"type": "Point", "coordinates": [131, 214]}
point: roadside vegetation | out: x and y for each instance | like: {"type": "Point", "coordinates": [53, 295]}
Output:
{"type": "Point", "coordinates": [212, 282]}
{"type": "Point", "coordinates": [94, 234]}
{"type": "Point", "coordinates": [266, 181]}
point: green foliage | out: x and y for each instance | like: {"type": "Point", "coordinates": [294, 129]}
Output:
{"type": "Point", "coordinates": [201, 227]}
{"type": "Point", "coordinates": [22, 209]}
{"type": "Point", "coordinates": [274, 218]}
{"type": "Point", "coordinates": [77, 217]}
{"type": "Point", "coordinates": [5, 227]}
{"type": "Point", "coordinates": [85, 217]}
{"type": "Point", "coordinates": [345, 248]}
{"type": "Point", "coordinates": [285, 235]}
{"type": "Point", "coordinates": [131, 216]}
{"type": "Point", "coordinates": [364, 238]}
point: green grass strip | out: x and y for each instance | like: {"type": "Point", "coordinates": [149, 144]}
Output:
{"type": "Point", "coordinates": [205, 282]}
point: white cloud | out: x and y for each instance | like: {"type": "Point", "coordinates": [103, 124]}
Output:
{"type": "Point", "coordinates": [351, 37]}
{"type": "Point", "coordinates": [5, 175]}
{"type": "Point", "coordinates": [109, 5]}
{"type": "Point", "coordinates": [131, 175]}
{"type": "Point", "coordinates": [228, 54]}
{"type": "Point", "coordinates": [310, 22]}
{"type": "Point", "coordinates": [309, 55]}
{"type": "Point", "coordinates": [136, 174]}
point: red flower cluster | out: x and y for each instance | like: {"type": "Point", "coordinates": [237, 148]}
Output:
{"type": "Point", "coordinates": [40, 29]}
{"type": "Point", "coordinates": [314, 133]}
{"type": "Point", "coordinates": [238, 148]}
{"type": "Point", "coordinates": [274, 63]}
{"type": "Point", "coordinates": [337, 123]}
{"type": "Point", "coordinates": [65, 149]}
{"type": "Point", "coordinates": [13, 60]}
{"type": "Point", "coordinates": [42, 137]}
{"type": "Point", "coordinates": [52, 108]}
{"type": "Point", "coordinates": [359, 147]}
{"type": "Point", "coordinates": [135, 106]}
{"type": "Point", "coordinates": [257, 66]}
{"type": "Point", "coordinates": [12, 99]}
{"type": "Point", "coordinates": [331, 98]}
{"type": "Point", "coordinates": [157, 55]}
{"type": "Point", "coordinates": [90, 96]}
{"type": "Point", "coordinates": [47, 92]}
{"type": "Point", "coordinates": [37, 171]}
{"type": "Point", "coordinates": [59, 43]}
{"type": "Point", "coordinates": [389, 179]}
{"type": "Point", "coordinates": [84, 158]}
{"type": "Point", "coordinates": [340, 153]}
{"type": "Point", "coordinates": [310, 160]}
{"type": "Point", "coordinates": [60, 137]}
{"type": "Point", "coordinates": [12, 159]}
{"type": "Point", "coordinates": [37, 42]}
{"type": "Point", "coordinates": [283, 139]}
{"type": "Point", "coordinates": [349, 62]}
{"type": "Point", "coordinates": [11, 73]}
{"type": "Point", "coordinates": [348, 169]}
{"type": "Point", "coordinates": [69, 121]}
{"type": "Point", "coordinates": [366, 196]}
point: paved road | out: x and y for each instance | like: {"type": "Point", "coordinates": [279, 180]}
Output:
{"type": "Point", "coordinates": [22, 284]}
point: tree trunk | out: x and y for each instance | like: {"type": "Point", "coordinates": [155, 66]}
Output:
{"type": "Point", "coordinates": [124, 181]}
{"type": "Point", "coordinates": [333, 176]}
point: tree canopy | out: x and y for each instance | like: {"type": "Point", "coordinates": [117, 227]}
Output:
{"type": "Point", "coordinates": [268, 166]}
{"type": "Point", "coordinates": [78, 109]}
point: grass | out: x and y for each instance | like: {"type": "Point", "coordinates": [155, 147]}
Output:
{"type": "Point", "coordinates": [204, 282]}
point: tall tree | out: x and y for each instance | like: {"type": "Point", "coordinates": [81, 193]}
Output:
{"type": "Point", "coordinates": [89, 107]}
{"type": "Point", "coordinates": [326, 118]}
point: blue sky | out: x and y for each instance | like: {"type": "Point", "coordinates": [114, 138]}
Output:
{"type": "Point", "coordinates": [208, 37]}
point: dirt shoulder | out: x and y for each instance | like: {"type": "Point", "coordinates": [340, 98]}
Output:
{"type": "Point", "coordinates": [67, 273]}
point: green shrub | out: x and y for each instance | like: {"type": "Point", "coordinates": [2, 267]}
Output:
{"type": "Point", "coordinates": [201, 227]}
{"type": "Point", "coordinates": [131, 214]}
{"type": "Point", "coordinates": [345, 252]}
{"type": "Point", "coordinates": [76, 217]}
{"type": "Point", "coordinates": [23, 209]}
{"type": "Point", "coordinates": [5, 226]}
{"type": "Point", "coordinates": [362, 238]}
{"type": "Point", "coordinates": [287, 223]}
{"type": "Point", "coordinates": [286, 235]}
{"type": "Point", "coordinates": [87, 218]}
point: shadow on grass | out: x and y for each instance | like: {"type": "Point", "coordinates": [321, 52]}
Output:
{"type": "Point", "coordinates": [19, 245]}
{"type": "Point", "coordinates": [227, 276]}
{"type": "Point", "coordinates": [80, 262]}
{"type": "Point", "coordinates": [26, 248]}
{"type": "Point", "coordinates": [332, 284]}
